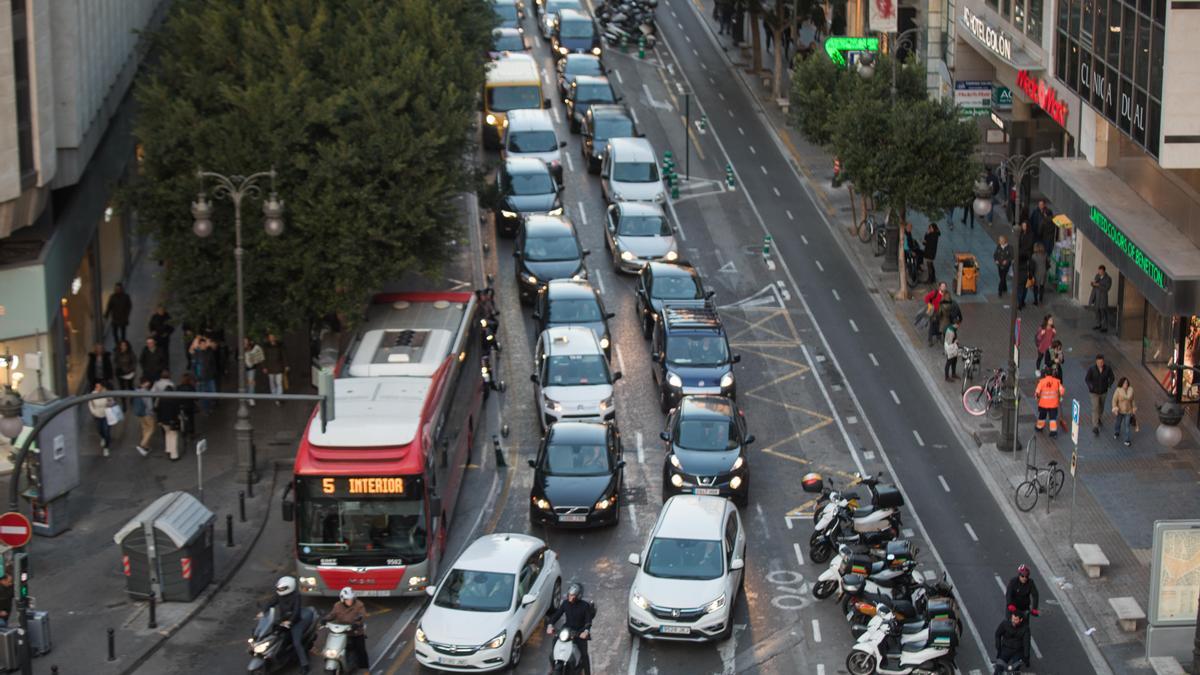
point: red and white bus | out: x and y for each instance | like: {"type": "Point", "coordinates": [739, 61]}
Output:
{"type": "Point", "coordinates": [375, 491]}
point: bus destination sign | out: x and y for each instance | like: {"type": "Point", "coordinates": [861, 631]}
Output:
{"type": "Point", "coordinates": [373, 486]}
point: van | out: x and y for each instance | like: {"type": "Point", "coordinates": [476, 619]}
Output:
{"type": "Point", "coordinates": [513, 82]}
{"type": "Point", "coordinates": [530, 133]}
{"type": "Point", "coordinates": [629, 172]}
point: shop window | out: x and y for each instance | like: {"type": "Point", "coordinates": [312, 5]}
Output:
{"type": "Point", "coordinates": [1073, 22]}
{"type": "Point", "coordinates": [994, 4]}
{"type": "Point", "coordinates": [1101, 25]}
{"type": "Point", "coordinates": [1087, 24]}
{"type": "Point", "coordinates": [78, 322]}
{"type": "Point", "coordinates": [1160, 350]}
{"type": "Point", "coordinates": [1156, 58]}
{"type": "Point", "coordinates": [1114, 34]}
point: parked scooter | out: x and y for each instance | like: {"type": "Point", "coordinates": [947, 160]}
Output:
{"type": "Point", "coordinates": [882, 511]}
{"type": "Point", "coordinates": [628, 20]}
{"type": "Point", "coordinates": [877, 651]}
{"type": "Point", "coordinates": [334, 653]}
{"type": "Point", "coordinates": [270, 645]}
{"type": "Point", "coordinates": [922, 602]}
{"type": "Point", "coordinates": [885, 567]}
{"type": "Point", "coordinates": [838, 530]}
{"type": "Point", "coordinates": [565, 658]}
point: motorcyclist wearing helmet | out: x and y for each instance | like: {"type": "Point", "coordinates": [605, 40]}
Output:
{"type": "Point", "coordinates": [1012, 642]}
{"type": "Point", "coordinates": [351, 611]}
{"type": "Point", "coordinates": [291, 616]}
{"type": "Point", "coordinates": [577, 614]}
{"type": "Point", "coordinates": [1022, 593]}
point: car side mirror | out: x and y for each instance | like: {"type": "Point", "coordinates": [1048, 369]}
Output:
{"type": "Point", "coordinates": [655, 357]}
{"type": "Point", "coordinates": [665, 436]}
{"type": "Point", "coordinates": [610, 315]}
{"type": "Point", "coordinates": [620, 464]}
{"type": "Point", "coordinates": [635, 559]}
{"type": "Point", "coordinates": [528, 599]}
{"type": "Point", "coordinates": [532, 464]}
{"type": "Point", "coordinates": [619, 99]}
{"type": "Point", "coordinates": [533, 378]}
{"type": "Point", "coordinates": [562, 144]}
{"type": "Point", "coordinates": [737, 564]}
{"type": "Point", "coordinates": [641, 135]}
{"type": "Point", "coordinates": [288, 510]}
{"type": "Point", "coordinates": [749, 439]}
{"type": "Point", "coordinates": [546, 102]}
{"type": "Point", "coordinates": [616, 376]}
{"type": "Point", "coordinates": [430, 590]}
{"type": "Point", "coordinates": [516, 254]}
{"type": "Point", "coordinates": [737, 358]}
{"type": "Point", "coordinates": [537, 316]}
{"type": "Point", "coordinates": [708, 295]}
{"type": "Point", "coordinates": [587, 251]}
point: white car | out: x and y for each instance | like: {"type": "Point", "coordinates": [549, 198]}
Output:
{"type": "Point", "coordinates": [629, 172]}
{"type": "Point", "coordinates": [572, 380]}
{"type": "Point", "coordinates": [488, 604]}
{"type": "Point", "coordinates": [690, 573]}
{"type": "Point", "coordinates": [549, 13]}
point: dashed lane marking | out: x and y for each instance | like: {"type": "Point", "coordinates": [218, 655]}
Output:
{"type": "Point", "coordinates": [719, 94]}
{"type": "Point", "coordinates": [620, 359]}
{"type": "Point", "coordinates": [764, 169]}
{"type": "Point", "coordinates": [570, 162]}
{"type": "Point", "coordinates": [752, 150]}
{"type": "Point", "coordinates": [816, 630]}
{"type": "Point", "coordinates": [741, 131]}
{"type": "Point", "coordinates": [894, 396]}
{"type": "Point", "coordinates": [600, 284]}
{"type": "Point", "coordinates": [776, 191]}
{"type": "Point", "coordinates": [633, 648]}
{"type": "Point", "coordinates": [945, 485]}
{"type": "Point", "coordinates": [920, 441]}
{"type": "Point", "coordinates": [819, 265]}
{"type": "Point", "coordinates": [971, 531]}
{"type": "Point", "coordinates": [633, 518]}
{"type": "Point", "coordinates": [641, 452]}
{"type": "Point", "coordinates": [791, 217]}
{"type": "Point", "coordinates": [619, 78]}
{"type": "Point", "coordinates": [582, 214]}
{"type": "Point", "coordinates": [853, 326]}
{"type": "Point", "coordinates": [874, 361]}
{"type": "Point", "coordinates": [799, 553]}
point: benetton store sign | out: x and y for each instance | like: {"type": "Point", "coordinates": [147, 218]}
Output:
{"type": "Point", "coordinates": [1044, 96]}
{"type": "Point", "coordinates": [1130, 249]}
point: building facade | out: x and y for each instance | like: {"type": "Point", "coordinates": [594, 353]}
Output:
{"type": "Point", "coordinates": [65, 144]}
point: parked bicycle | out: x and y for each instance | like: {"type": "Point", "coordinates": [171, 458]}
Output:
{"type": "Point", "coordinates": [985, 398]}
{"type": "Point", "coordinates": [869, 230]}
{"type": "Point", "coordinates": [971, 358]}
{"type": "Point", "coordinates": [1038, 479]}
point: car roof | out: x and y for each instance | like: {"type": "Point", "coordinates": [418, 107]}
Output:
{"type": "Point", "coordinates": [610, 110]}
{"type": "Point", "coordinates": [518, 164]}
{"type": "Point", "coordinates": [640, 209]}
{"type": "Point", "coordinates": [710, 406]}
{"type": "Point", "coordinates": [499, 552]}
{"type": "Point", "coordinates": [530, 118]}
{"type": "Point", "coordinates": [497, 32]}
{"type": "Point", "coordinates": [583, 57]}
{"type": "Point", "coordinates": [571, 341]}
{"type": "Point", "coordinates": [692, 517]}
{"type": "Point", "coordinates": [542, 225]}
{"type": "Point", "coordinates": [581, 80]}
{"type": "Point", "coordinates": [632, 149]}
{"type": "Point", "coordinates": [690, 317]}
{"type": "Point", "coordinates": [561, 289]}
{"type": "Point", "coordinates": [578, 432]}
{"type": "Point", "coordinates": [675, 269]}
{"type": "Point", "coordinates": [505, 2]}
{"type": "Point", "coordinates": [568, 14]}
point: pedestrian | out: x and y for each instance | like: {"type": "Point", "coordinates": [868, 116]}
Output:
{"type": "Point", "coordinates": [160, 325]}
{"type": "Point", "coordinates": [274, 364]}
{"type": "Point", "coordinates": [99, 366]}
{"type": "Point", "coordinates": [1057, 357]}
{"type": "Point", "coordinates": [204, 367]}
{"type": "Point", "coordinates": [117, 311]}
{"type": "Point", "coordinates": [1099, 379]}
{"type": "Point", "coordinates": [143, 409]}
{"type": "Point", "coordinates": [993, 182]}
{"type": "Point", "coordinates": [1101, 285]}
{"type": "Point", "coordinates": [969, 211]}
{"type": "Point", "coordinates": [1045, 340]}
{"type": "Point", "coordinates": [933, 303]}
{"type": "Point", "coordinates": [154, 359]}
{"type": "Point", "coordinates": [951, 346]}
{"type": "Point", "coordinates": [1041, 269]}
{"type": "Point", "coordinates": [1042, 223]}
{"type": "Point", "coordinates": [948, 313]}
{"type": "Point", "coordinates": [806, 39]}
{"type": "Point", "coordinates": [253, 356]}
{"type": "Point", "coordinates": [187, 407]}
{"type": "Point", "coordinates": [726, 17]}
{"type": "Point", "coordinates": [1025, 247]}
{"type": "Point", "coordinates": [166, 411]}
{"type": "Point", "coordinates": [1124, 407]}
{"type": "Point", "coordinates": [6, 597]}
{"type": "Point", "coordinates": [932, 234]}
{"type": "Point", "coordinates": [1022, 593]}
{"type": "Point", "coordinates": [99, 408]}
{"type": "Point", "coordinates": [125, 366]}
{"type": "Point", "coordinates": [1049, 393]}
{"type": "Point", "coordinates": [1003, 255]}
{"type": "Point", "coordinates": [350, 611]}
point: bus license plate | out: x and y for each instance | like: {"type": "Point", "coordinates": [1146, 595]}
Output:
{"type": "Point", "coordinates": [707, 491]}
{"type": "Point", "coordinates": [447, 661]}
{"type": "Point", "coordinates": [572, 519]}
{"type": "Point", "coordinates": [676, 630]}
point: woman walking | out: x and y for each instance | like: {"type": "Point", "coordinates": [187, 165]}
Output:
{"type": "Point", "coordinates": [1045, 340]}
{"type": "Point", "coordinates": [99, 407]}
{"type": "Point", "coordinates": [125, 365]}
{"type": "Point", "coordinates": [951, 346]}
{"type": "Point", "coordinates": [1124, 407]}
{"type": "Point", "coordinates": [1041, 269]}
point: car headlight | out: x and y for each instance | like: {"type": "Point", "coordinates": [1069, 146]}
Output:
{"type": "Point", "coordinates": [596, 51]}
{"type": "Point", "coordinates": [498, 641]}
{"type": "Point", "coordinates": [675, 462]}
{"type": "Point", "coordinates": [737, 464]}
{"type": "Point", "coordinates": [672, 255]}
{"type": "Point", "coordinates": [421, 635]}
{"type": "Point", "coordinates": [737, 480]}
{"type": "Point", "coordinates": [617, 196]}
{"type": "Point", "coordinates": [606, 403]}
{"type": "Point", "coordinates": [504, 122]}
{"type": "Point", "coordinates": [627, 255]}
{"type": "Point", "coordinates": [542, 503]}
{"type": "Point", "coordinates": [490, 119]}
{"type": "Point", "coordinates": [414, 582]}
{"type": "Point", "coordinates": [660, 197]}
{"type": "Point", "coordinates": [640, 601]}
{"type": "Point", "coordinates": [552, 405]}
{"type": "Point", "coordinates": [727, 380]}
{"type": "Point", "coordinates": [674, 380]}
{"type": "Point", "coordinates": [581, 275]}
{"type": "Point", "coordinates": [715, 605]}
{"type": "Point", "coordinates": [676, 480]}
{"type": "Point", "coordinates": [604, 343]}
{"type": "Point", "coordinates": [563, 50]}
{"type": "Point", "coordinates": [606, 502]}
{"type": "Point", "coordinates": [508, 214]}
{"type": "Point", "coordinates": [531, 279]}
{"type": "Point", "coordinates": [555, 212]}
{"type": "Point", "coordinates": [308, 582]}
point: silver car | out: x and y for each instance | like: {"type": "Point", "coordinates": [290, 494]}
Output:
{"type": "Point", "coordinates": [629, 172]}
{"type": "Point", "coordinates": [572, 380]}
{"type": "Point", "coordinates": [637, 233]}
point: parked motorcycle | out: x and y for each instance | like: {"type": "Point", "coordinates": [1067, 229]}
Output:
{"type": "Point", "coordinates": [884, 567]}
{"type": "Point", "coordinates": [270, 644]}
{"type": "Point", "coordinates": [628, 21]}
{"type": "Point", "coordinates": [878, 650]}
{"type": "Point", "coordinates": [565, 658]}
{"type": "Point", "coordinates": [838, 529]}
{"type": "Point", "coordinates": [885, 502]}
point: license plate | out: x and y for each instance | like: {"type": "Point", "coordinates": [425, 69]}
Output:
{"type": "Point", "coordinates": [572, 519]}
{"type": "Point", "coordinates": [448, 661]}
{"type": "Point", "coordinates": [675, 630]}
{"type": "Point", "coordinates": [707, 491]}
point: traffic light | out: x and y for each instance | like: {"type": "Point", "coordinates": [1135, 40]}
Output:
{"type": "Point", "coordinates": [21, 572]}
{"type": "Point", "coordinates": [325, 387]}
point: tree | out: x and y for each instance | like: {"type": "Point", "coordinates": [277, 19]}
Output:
{"type": "Point", "coordinates": [822, 92]}
{"type": "Point", "coordinates": [365, 109]}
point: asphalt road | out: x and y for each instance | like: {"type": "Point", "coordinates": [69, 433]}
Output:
{"type": "Point", "coordinates": [824, 384]}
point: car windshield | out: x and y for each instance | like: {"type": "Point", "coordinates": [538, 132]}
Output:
{"type": "Point", "coordinates": [575, 310]}
{"type": "Point", "coordinates": [530, 183]}
{"type": "Point", "coordinates": [706, 435]}
{"type": "Point", "coordinates": [546, 249]}
{"type": "Point", "coordinates": [513, 97]}
{"type": "Point", "coordinates": [685, 350]}
{"type": "Point", "coordinates": [684, 559]}
{"type": "Point", "coordinates": [507, 13]}
{"type": "Point", "coordinates": [555, 6]}
{"type": "Point", "coordinates": [348, 528]}
{"type": "Point", "coordinates": [643, 226]}
{"type": "Point", "coordinates": [677, 287]}
{"type": "Point", "coordinates": [612, 127]}
{"type": "Point", "coordinates": [507, 43]}
{"type": "Point", "coordinates": [575, 29]}
{"type": "Point", "coordinates": [576, 369]}
{"type": "Point", "coordinates": [476, 591]}
{"type": "Point", "coordinates": [583, 66]}
{"type": "Point", "coordinates": [532, 141]}
{"type": "Point", "coordinates": [576, 460]}
{"type": "Point", "coordinates": [593, 93]}
{"type": "Point", "coordinates": [635, 172]}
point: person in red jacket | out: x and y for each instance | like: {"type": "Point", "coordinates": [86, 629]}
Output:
{"type": "Point", "coordinates": [933, 301]}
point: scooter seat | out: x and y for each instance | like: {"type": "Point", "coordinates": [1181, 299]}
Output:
{"type": "Point", "coordinates": [913, 628]}
{"type": "Point", "coordinates": [913, 648]}
{"type": "Point", "coordinates": [863, 510]}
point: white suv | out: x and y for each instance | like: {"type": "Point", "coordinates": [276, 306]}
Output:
{"type": "Point", "coordinates": [690, 572]}
{"type": "Point", "coordinates": [572, 380]}
{"type": "Point", "coordinates": [629, 172]}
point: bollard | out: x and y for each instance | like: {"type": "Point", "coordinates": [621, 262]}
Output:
{"type": "Point", "coordinates": [767, 246]}
{"type": "Point", "coordinates": [112, 646]}
{"type": "Point", "coordinates": [499, 452]}
{"type": "Point", "coordinates": [642, 47]}
{"type": "Point", "coordinates": [729, 175]}
{"type": "Point", "coordinates": [674, 189]}
{"type": "Point", "coordinates": [229, 530]}
{"type": "Point", "coordinates": [242, 505]}
{"type": "Point", "coordinates": [153, 611]}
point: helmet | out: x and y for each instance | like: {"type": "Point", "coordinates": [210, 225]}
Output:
{"type": "Point", "coordinates": [575, 589]}
{"type": "Point", "coordinates": [285, 585]}
{"type": "Point", "coordinates": [1022, 570]}
{"type": "Point", "coordinates": [346, 593]}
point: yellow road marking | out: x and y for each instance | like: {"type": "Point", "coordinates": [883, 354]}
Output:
{"type": "Point", "coordinates": [782, 455]}
{"type": "Point", "coordinates": [759, 325]}
{"type": "Point", "coordinates": [798, 513]}
{"type": "Point", "coordinates": [754, 349]}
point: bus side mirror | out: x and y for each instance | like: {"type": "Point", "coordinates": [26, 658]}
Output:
{"type": "Point", "coordinates": [288, 510]}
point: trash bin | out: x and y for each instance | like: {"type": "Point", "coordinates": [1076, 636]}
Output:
{"type": "Point", "coordinates": [167, 549]}
{"type": "Point", "coordinates": [967, 268]}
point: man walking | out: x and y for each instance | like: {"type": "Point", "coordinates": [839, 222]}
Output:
{"type": "Point", "coordinates": [1004, 258]}
{"type": "Point", "coordinates": [1049, 394]}
{"type": "Point", "coordinates": [144, 411]}
{"type": "Point", "coordinates": [117, 311]}
{"type": "Point", "coordinates": [932, 234]}
{"type": "Point", "coordinates": [167, 412]}
{"type": "Point", "coordinates": [1101, 285]}
{"type": "Point", "coordinates": [274, 363]}
{"type": "Point", "coordinates": [204, 367]}
{"type": "Point", "coordinates": [1099, 379]}
{"type": "Point", "coordinates": [154, 359]}
{"type": "Point", "coordinates": [1041, 222]}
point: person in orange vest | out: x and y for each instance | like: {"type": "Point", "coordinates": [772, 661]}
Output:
{"type": "Point", "coordinates": [1050, 391]}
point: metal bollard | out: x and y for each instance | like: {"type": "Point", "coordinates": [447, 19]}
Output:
{"type": "Point", "coordinates": [153, 611]}
{"type": "Point", "coordinates": [112, 646]}
{"type": "Point", "coordinates": [499, 452]}
{"type": "Point", "coordinates": [242, 505]}
{"type": "Point", "coordinates": [229, 530]}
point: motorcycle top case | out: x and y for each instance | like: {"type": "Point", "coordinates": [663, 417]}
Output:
{"type": "Point", "coordinates": [940, 607]}
{"type": "Point", "coordinates": [899, 552]}
{"type": "Point", "coordinates": [888, 497]}
{"type": "Point", "coordinates": [942, 633]}
{"type": "Point", "coordinates": [812, 483]}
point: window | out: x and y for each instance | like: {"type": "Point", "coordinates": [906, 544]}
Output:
{"type": "Point", "coordinates": [730, 536]}
{"type": "Point", "coordinates": [24, 105]}
{"type": "Point", "coordinates": [1033, 21]}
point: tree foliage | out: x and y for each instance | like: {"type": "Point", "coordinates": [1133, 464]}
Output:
{"type": "Point", "coordinates": [365, 110]}
{"type": "Point", "coordinates": [822, 92]}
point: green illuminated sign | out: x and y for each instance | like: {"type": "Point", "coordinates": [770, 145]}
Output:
{"type": "Point", "coordinates": [834, 46]}
{"type": "Point", "coordinates": [1135, 254]}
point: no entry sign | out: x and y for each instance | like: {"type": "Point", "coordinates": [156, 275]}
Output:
{"type": "Point", "coordinates": [15, 529]}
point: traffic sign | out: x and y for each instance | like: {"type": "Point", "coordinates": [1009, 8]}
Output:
{"type": "Point", "coordinates": [1074, 428]}
{"type": "Point", "coordinates": [15, 529]}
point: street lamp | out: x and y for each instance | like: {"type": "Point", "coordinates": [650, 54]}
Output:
{"type": "Point", "coordinates": [236, 188]}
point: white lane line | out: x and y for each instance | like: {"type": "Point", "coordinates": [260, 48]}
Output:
{"type": "Point", "coordinates": [704, 66]}
{"type": "Point", "coordinates": [694, 52]}
{"type": "Point", "coordinates": [633, 647]}
{"type": "Point", "coordinates": [799, 553]}
{"type": "Point", "coordinates": [816, 630]}
{"type": "Point", "coordinates": [570, 166]}
{"type": "Point", "coordinates": [689, 39]}
{"type": "Point", "coordinates": [1000, 583]}
{"type": "Point", "coordinates": [633, 519]}
{"type": "Point", "coordinates": [820, 669]}
{"type": "Point", "coordinates": [920, 441]}
{"type": "Point", "coordinates": [641, 452]}
{"type": "Point", "coordinates": [740, 130]}
{"type": "Point", "coordinates": [971, 531]}
{"type": "Point", "coordinates": [764, 169]}
{"type": "Point", "coordinates": [776, 191]}
{"type": "Point", "coordinates": [633, 114]}
{"type": "Point", "coordinates": [836, 296]}
{"type": "Point", "coordinates": [853, 326]}
{"type": "Point", "coordinates": [680, 25]}
{"type": "Point", "coordinates": [790, 216]}
{"type": "Point", "coordinates": [753, 151]}
{"type": "Point", "coordinates": [674, 14]}
{"type": "Point", "coordinates": [719, 94]}
{"type": "Point", "coordinates": [819, 265]}
{"type": "Point", "coordinates": [557, 116]}
{"type": "Point", "coordinates": [874, 361]}
{"type": "Point", "coordinates": [945, 485]}
{"type": "Point", "coordinates": [620, 359]}
{"type": "Point", "coordinates": [618, 74]}
{"type": "Point", "coordinates": [1036, 651]}
{"type": "Point", "coordinates": [728, 110]}
{"type": "Point", "coordinates": [804, 239]}
{"type": "Point", "coordinates": [582, 214]}
{"type": "Point", "coordinates": [600, 283]}
{"type": "Point", "coordinates": [675, 219]}
{"type": "Point", "coordinates": [894, 396]}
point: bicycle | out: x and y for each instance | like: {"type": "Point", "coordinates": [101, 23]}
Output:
{"type": "Point", "coordinates": [1048, 479]}
{"type": "Point", "coordinates": [871, 231]}
{"type": "Point", "coordinates": [971, 357]}
{"type": "Point", "coordinates": [985, 398]}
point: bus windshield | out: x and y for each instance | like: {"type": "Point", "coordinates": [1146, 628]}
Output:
{"type": "Point", "coordinates": [348, 527]}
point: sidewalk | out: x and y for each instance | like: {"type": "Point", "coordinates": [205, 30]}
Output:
{"type": "Point", "coordinates": [77, 576]}
{"type": "Point", "coordinates": [1120, 491]}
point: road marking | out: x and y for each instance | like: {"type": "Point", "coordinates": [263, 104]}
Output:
{"type": "Point", "coordinates": [694, 52]}
{"type": "Point", "coordinates": [655, 103]}
{"type": "Point", "coordinates": [740, 130]}
{"type": "Point", "coordinates": [971, 531]}
{"type": "Point", "coordinates": [920, 441]}
{"type": "Point", "coordinates": [620, 358]}
{"type": "Point", "coordinates": [570, 167]}
{"type": "Point", "coordinates": [776, 191]}
{"type": "Point", "coordinates": [874, 361]}
{"type": "Point", "coordinates": [945, 485]}
{"type": "Point", "coordinates": [618, 74]}
{"type": "Point", "coordinates": [685, 37]}
{"type": "Point", "coordinates": [753, 151]}
{"type": "Point", "coordinates": [728, 110]}
{"type": "Point", "coordinates": [582, 214]}
{"type": "Point", "coordinates": [764, 169]}
{"type": "Point", "coordinates": [853, 326]}
{"type": "Point", "coordinates": [641, 452]}
{"type": "Point", "coordinates": [820, 669]}
{"type": "Point", "coordinates": [852, 419]}
{"type": "Point", "coordinates": [819, 265]}
{"type": "Point", "coordinates": [674, 14]}
{"type": "Point", "coordinates": [1000, 583]}
{"type": "Point", "coordinates": [791, 217]}
{"type": "Point", "coordinates": [804, 239]}
{"type": "Point", "coordinates": [600, 284]}
{"type": "Point", "coordinates": [816, 630]}
{"type": "Point", "coordinates": [907, 532]}
{"type": "Point", "coordinates": [557, 116]}
{"type": "Point", "coordinates": [633, 114]}
{"type": "Point", "coordinates": [894, 396]}
{"type": "Point", "coordinates": [633, 648]}
{"type": "Point", "coordinates": [1036, 651]}
{"type": "Point", "coordinates": [704, 66]}
{"type": "Point", "coordinates": [633, 519]}
{"type": "Point", "coordinates": [680, 25]}
{"type": "Point", "coordinates": [796, 548]}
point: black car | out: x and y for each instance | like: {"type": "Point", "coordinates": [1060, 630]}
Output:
{"type": "Point", "coordinates": [659, 283]}
{"type": "Point", "coordinates": [600, 123]}
{"type": "Point", "coordinates": [574, 33]}
{"type": "Point", "coordinates": [691, 355]}
{"type": "Point", "coordinates": [577, 476]}
{"type": "Point", "coordinates": [546, 248]}
{"type": "Point", "coordinates": [526, 187]}
{"type": "Point", "coordinates": [574, 65]}
{"type": "Point", "coordinates": [706, 449]}
{"type": "Point", "coordinates": [567, 302]}
{"type": "Point", "coordinates": [586, 91]}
